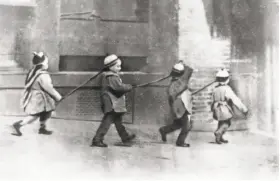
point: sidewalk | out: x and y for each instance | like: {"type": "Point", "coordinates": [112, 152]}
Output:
{"type": "Point", "coordinates": [66, 155]}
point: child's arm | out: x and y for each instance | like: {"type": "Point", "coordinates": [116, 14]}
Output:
{"type": "Point", "coordinates": [176, 88]}
{"type": "Point", "coordinates": [230, 95]}
{"type": "Point", "coordinates": [116, 85]}
{"type": "Point", "coordinates": [46, 84]}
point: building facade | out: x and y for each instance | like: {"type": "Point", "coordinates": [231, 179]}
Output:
{"type": "Point", "coordinates": [149, 36]}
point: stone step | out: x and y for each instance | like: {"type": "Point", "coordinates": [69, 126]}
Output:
{"type": "Point", "coordinates": [8, 69]}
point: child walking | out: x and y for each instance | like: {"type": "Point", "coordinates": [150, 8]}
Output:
{"type": "Point", "coordinates": [179, 97]}
{"type": "Point", "coordinates": [39, 96]}
{"type": "Point", "coordinates": [223, 100]}
{"type": "Point", "coordinates": [112, 102]}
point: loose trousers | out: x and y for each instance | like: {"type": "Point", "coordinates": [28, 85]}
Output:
{"type": "Point", "coordinates": [223, 126]}
{"type": "Point", "coordinates": [183, 124]}
{"type": "Point", "coordinates": [107, 120]}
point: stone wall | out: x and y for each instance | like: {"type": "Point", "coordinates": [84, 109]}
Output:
{"type": "Point", "coordinates": [156, 38]}
{"type": "Point", "coordinates": [15, 33]}
{"type": "Point", "coordinates": [119, 27]}
{"type": "Point", "coordinates": [268, 68]}
{"type": "Point", "coordinates": [30, 26]}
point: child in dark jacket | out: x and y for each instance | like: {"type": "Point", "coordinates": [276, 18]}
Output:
{"type": "Point", "coordinates": [112, 102]}
{"type": "Point", "coordinates": [39, 96]}
{"type": "Point", "coordinates": [223, 100]}
{"type": "Point", "coordinates": [179, 97]}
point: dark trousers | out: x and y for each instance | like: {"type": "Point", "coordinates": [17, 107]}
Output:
{"type": "Point", "coordinates": [183, 124]}
{"type": "Point", "coordinates": [43, 117]}
{"type": "Point", "coordinates": [107, 120]}
{"type": "Point", "coordinates": [223, 126]}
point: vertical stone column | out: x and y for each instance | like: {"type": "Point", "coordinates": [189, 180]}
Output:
{"type": "Point", "coordinates": [267, 67]}
{"type": "Point", "coordinates": [45, 36]}
{"type": "Point", "coordinates": [162, 35]}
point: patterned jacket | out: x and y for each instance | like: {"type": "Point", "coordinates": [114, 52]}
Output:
{"type": "Point", "coordinates": [40, 95]}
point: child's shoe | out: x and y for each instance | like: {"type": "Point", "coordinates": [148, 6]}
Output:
{"type": "Point", "coordinates": [163, 135]}
{"type": "Point", "coordinates": [44, 131]}
{"type": "Point", "coordinates": [129, 138]}
{"type": "Point", "coordinates": [16, 126]}
{"type": "Point", "coordinates": [223, 140]}
{"type": "Point", "coordinates": [218, 138]}
{"type": "Point", "coordinates": [98, 144]}
{"type": "Point", "coordinates": [185, 145]}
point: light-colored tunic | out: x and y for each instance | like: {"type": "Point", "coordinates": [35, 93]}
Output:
{"type": "Point", "coordinates": [41, 96]}
{"type": "Point", "coordinates": [223, 100]}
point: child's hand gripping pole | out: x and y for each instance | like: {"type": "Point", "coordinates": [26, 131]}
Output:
{"type": "Point", "coordinates": [83, 84]}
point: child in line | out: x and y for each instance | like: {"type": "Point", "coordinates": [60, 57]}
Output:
{"type": "Point", "coordinates": [39, 96]}
{"type": "Point", "coordinates": [112, 102]}
{"type": "Point", "coordinates": [179, 97]}
{"type": "Point", "coordinates": [223, 100]}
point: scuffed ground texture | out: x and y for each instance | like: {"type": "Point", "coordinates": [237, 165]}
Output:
{"type": "Point", "coordinates": [66, 155]}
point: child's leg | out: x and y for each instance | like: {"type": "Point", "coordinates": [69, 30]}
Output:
{"type": "Point", "coordinates": [169, 128]}
{"type": "Point", "coordinates": [225, 128]}
{"type": "Point", "coordinates": [219, 132]}
{"type": "Point", "coordinates": [219, 126]}
{"type": "Point", "coordinates": [44, 116]}
{"type": "Point", "coordinates": [186, 127]}
{"type": "Point", "coordinates": [103, 129]}
{"type": "Point", "coordinates": [121, 129]}
{"type": "Point", "coordinates": [27, 120]}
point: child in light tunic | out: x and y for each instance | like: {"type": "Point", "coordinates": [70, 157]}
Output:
{"type": "Point", "coordinates": [223, 100]}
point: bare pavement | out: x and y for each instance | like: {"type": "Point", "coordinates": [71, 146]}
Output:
{"type": "Point", "coordinates": [66, 155]}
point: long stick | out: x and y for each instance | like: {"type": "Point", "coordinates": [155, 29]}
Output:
{"type": "Point", "coordinates": [74, 90]}
{"type": "Point", "coordinates": [195, 92]}
{"type": "Point", "coordinates": [155, 81]}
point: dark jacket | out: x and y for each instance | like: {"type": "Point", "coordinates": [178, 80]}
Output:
{"type": "Point", "coordinates": [179, 96]}
{"type": "Point", "coordinates": [112, 93]}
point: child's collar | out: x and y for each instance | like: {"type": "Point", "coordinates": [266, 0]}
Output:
{"type": "Point", "coordinates": [221, 84]}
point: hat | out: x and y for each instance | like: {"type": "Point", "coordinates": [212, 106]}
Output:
{"type": "Point", "coordinates": [110, 60]}
{"type": "Point", "coordinates": [177, 70]}
{"type": "Point", "coordinates": [38, 58]}
{"type": "Point", "coordinates": [223, 73]}
{"type": "Point", "coordinates": [178, 67]}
